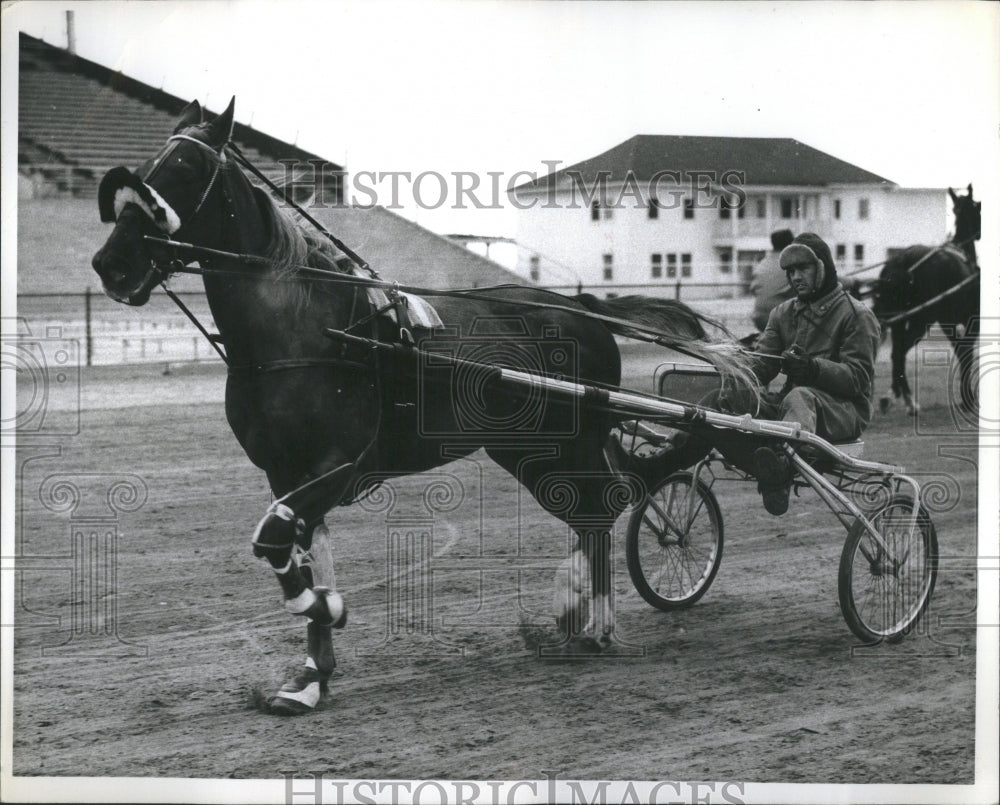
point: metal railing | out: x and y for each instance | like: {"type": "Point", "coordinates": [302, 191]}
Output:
{"type": "Point", "coordinates": [107, 332]}
{"type": "Point", "coordinates": [675, 288]}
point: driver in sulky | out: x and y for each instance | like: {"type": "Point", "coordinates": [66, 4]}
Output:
{"type": "Point", "coordinates": [825, 342]}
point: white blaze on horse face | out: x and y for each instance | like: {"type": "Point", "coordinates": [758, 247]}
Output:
{"type": "Point", "coordinates": [572, 584]}
{"type": "Point", "coordinates": [127, 195]}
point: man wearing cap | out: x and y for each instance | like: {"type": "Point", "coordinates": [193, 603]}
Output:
{"type": "Point", "coordinates": [769, 285]}
{"type": "Point", "coordinates": [825, 342]}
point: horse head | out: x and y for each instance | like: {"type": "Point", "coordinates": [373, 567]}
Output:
{"type": "Point", "coordinates": [167, 196]}
{"type": "Point", "coordinates": [968, 220]}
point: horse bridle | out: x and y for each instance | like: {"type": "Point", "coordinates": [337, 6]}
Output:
{"type": "Point", "coordinates": [219, 159]}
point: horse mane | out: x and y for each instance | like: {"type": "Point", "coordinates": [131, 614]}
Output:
{"type": "Point", "coordinates": [290, 245]}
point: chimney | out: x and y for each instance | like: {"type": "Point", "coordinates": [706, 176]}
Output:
{"type": "Point", "coordinates": [70, 33]}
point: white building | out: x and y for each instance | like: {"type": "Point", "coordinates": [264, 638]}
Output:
{"type": "Point", "coordinates": [659, 210]}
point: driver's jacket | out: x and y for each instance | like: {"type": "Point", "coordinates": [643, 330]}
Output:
{"type": "Point", "coordinates": [840, 332]}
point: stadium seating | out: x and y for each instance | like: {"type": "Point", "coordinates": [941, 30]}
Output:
{"type": "Point", "coordinates": [77, 119]}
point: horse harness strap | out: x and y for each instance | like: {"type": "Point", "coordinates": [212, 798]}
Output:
{"type": "Point", "coordinates": [906, 314]}
{"type": "Point", "coordinates": [642, 332]}
{"type": "Point", "coordinates": [359, 261]}
{"type": "Point", "coordinates": [213, 340]}
{"type": "Point", "coordinates": [286, 364]}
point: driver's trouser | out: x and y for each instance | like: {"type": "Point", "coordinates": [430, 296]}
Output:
{"type": "Point", "coordinates": [831, 418]}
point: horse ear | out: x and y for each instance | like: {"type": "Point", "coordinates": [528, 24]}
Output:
{"type": "Point", "coordinates": [954, 198]}
{"type": "Point", "coordinates": [191, 115]}
{"type": "Point", "coordinates": [970, 191]}
{"type": "Point", "coordinates": [221, 129]}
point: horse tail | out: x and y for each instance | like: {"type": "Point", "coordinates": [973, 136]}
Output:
{"type": "Point", "coordinates": [681, 328]}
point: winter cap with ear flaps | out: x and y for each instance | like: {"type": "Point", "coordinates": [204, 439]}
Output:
{"type": "Point", "coordinates": [811, 248]}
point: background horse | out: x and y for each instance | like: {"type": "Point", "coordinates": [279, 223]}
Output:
{"type": "Point", "coordinates": [923, 285]}
{"type": "Point", "coordinates": [327, 421]}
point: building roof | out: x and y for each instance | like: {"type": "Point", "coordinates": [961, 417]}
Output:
{"type": "Point", "coordinates": [403, 251]}
{"type": "Point", "coordinates": [762, 160]}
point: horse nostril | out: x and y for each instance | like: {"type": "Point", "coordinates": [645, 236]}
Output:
{"type": "Point", "coordinates": [112, 268]}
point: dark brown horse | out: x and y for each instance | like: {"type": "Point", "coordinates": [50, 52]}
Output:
{"type": "Point", "coordinates": [327, 421]}
{"type": "Point", "coordinates": [924, 285]}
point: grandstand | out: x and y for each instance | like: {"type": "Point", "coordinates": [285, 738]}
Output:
{"type": "Point", "coordinates": [77, 119]}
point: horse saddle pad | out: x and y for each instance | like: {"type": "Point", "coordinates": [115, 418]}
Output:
{"type": "Point", "coordinates": [421, 312]}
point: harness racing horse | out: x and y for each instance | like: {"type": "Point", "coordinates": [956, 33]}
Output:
{"type": "Point", "coordinates": [923, 285]}
{"type": "Point", "coordinates": [328, 420]}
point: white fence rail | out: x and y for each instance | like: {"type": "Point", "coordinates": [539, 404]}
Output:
{"type": "Point", "coordinates": [100, 332]}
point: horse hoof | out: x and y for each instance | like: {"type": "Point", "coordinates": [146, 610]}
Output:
{"type": "Point", "coordinates": [278, 705]}
{"type": "Point", "coordinates": [300, 695]}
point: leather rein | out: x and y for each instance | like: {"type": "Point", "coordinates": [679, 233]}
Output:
{"type": "Point", "coordinates": [177, 266]}
{"type": "Point", "coordinates": [392, 289]}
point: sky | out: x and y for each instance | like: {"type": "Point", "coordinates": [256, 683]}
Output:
{"type": "Point", "coordinates": [908, 91]}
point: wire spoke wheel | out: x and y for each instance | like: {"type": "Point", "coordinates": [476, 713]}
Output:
{"type": "Point", "coordinates": [885, 588]}
{"type": "Point", "coordinates": [674, 543]}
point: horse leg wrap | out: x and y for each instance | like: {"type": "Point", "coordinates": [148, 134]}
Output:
{"type": "Point", "coordinates": [275, 535]}
{"type": "Point", "coordinates": [274, 540]}
{"type": "Point", "coordinates": [321, 605]}
{"type": "Point", "coordinates": [571, 594]}
{"type": "Point", "coordinates": [321, 649]}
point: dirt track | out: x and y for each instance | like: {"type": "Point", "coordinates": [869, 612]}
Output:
{"type": "Point", "coordinates": [759, 681]}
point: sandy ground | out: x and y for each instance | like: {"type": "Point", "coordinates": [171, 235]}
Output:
{"type": "Point", "coordinates": [156, 665]}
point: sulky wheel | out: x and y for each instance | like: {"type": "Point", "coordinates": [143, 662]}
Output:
{"type": "Point", "coordinates": [674, 543]}
{"type": "Point", "coordinates": [885, 590]}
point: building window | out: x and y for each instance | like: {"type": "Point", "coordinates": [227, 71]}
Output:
{"type": "Point", "coordinates": [686, 265]}
{"type": "Point", "coordinates": [689, 208]}
{"type": "Point", "coordinates": [762, 208]}
{"type": "Point", "coordinates": [653, 209]}
{"type": "Point", "coordinates": [609, 267]}
{"type": "Point", "coordinates": [724, 208]}
{"type": "Point", "coordinates": [656, 266]}
{"type": "Point", "coordinates": [533, 268]}
{"type": "Point", "coordinates": [841, 252]}
{"type": "Point", "coordinates": [599, 211]}
{"type": "Point", "coordinates": [863, 209]}
{"type": "Point", "coordinates": [836, 208]}
{"type": "Point", "coordinates": [671, 266]}
{"type": "Point", "coordinates": [859, 253]}
{"type": "Point", "coordinates": [725, 255]}
{"type": "Point", "coordinates": [788, 208]}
